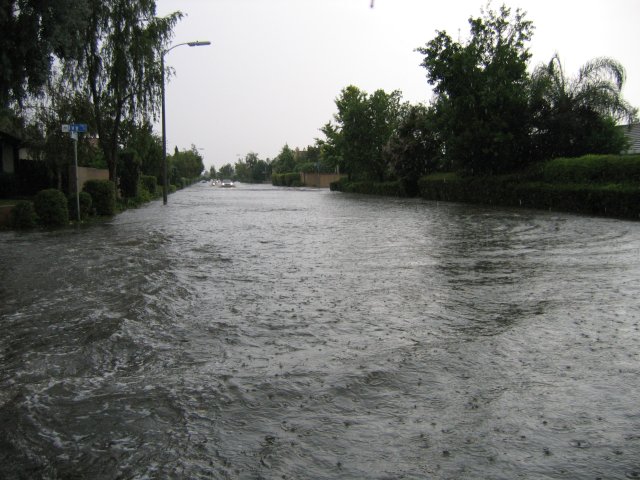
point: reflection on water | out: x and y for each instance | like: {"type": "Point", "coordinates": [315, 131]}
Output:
{"type": "Point", "coordinates": [258, 332]}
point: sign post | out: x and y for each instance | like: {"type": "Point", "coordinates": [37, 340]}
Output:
{"type": "Point", "coordinates": [73, 129]}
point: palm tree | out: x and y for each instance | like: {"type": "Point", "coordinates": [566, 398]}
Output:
{"type": "Point", "coordinates": [576, 116]}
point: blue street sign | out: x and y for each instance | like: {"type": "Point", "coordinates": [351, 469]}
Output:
{"type": "Point", "coordinates": [78, 127]}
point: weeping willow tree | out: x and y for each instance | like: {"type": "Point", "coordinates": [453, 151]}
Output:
{"type": "Point", "coordinates": [577, 116]}
{"type": "Point", "coordinates": [119, 69]}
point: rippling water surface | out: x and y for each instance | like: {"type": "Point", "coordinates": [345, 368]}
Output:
{"type": "Point", "coordinates": [257, 332]}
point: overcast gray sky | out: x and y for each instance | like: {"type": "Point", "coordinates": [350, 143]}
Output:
{"type": "Point", "coordinates": [275, 67]}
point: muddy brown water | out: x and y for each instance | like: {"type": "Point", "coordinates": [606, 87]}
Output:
{"type": "Point", "coordinates": [259, 332]}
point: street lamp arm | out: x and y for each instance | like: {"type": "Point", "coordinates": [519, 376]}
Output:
{"type": "Point", "coordinates": [196, 43]}
{"type": "Point", "coordinates": [165, 180]}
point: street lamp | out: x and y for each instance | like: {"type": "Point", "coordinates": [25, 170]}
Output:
{"type": "Point", "coordinates": [165, 178]}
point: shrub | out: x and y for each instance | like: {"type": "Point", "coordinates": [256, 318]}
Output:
{"type": "Point", "coordinates": [390, 189]}
{"type": "Point", "coordinates": [103, 196]}
{"type": "Point", "coordinates": [143, 194]}
{"type": "Point", "coordinates": [291, 179]}
{"type": "Point", "coordinates": [150, 184]}
{"type": "Point", "coordinates": [85, 206]}
{"type": "Point", "coordinates": [490, 190]}
{"type": "Point", "coordinates": [23, 215]}
{"type": "Point", "coordinates": [617, 200]}
{"type": "Point", "coordinates": [611, 200]}
{"type": "Point", "coordinates": [590, 169]}
{"type": "Point", "coordinates": [129, 167]}
{"type": "Point", "coordinates": [338, 185]}
{"type": "Point", "coordinates": [51, 207]}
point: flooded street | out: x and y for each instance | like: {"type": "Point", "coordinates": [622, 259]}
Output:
{"type": "Point", "coordinates": [263, 333]}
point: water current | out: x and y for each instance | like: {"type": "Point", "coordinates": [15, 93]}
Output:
{"type": "Point", "coordinates": [263, 333]}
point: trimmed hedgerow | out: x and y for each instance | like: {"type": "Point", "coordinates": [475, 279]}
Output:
{"type": "Point", "coordinates": [51, 207]}
{"type": "Point", "coordinates": [103, 196]}
{"type": "Point", "coordinates": [291, 179]}
{"type": "Point", "coordinates": [590, 169]}
{"type": "Point", "coordinates": [23, 215]}
{"type": "Point", "coordinates": [390, 189]}
{"type": "Point", "coordinates": [610, 199]}
{"type": "Point", "coordinates": [614, 200]}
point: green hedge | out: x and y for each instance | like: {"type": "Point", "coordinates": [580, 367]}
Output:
{"type": "Point", "coordinates": [616, 200]}
{"type": "Point", "coordinates": [103, 196]}
{"type": "Point", "coordinates": [613, 200]}
{"type": "Point", "coordinates": [391, 189]}
{"type": "Point", "coordinates": [51, 207]}
{"type": "Point", "coordinates": [85, 206]}
{"type": "Point", "coordinates": [23, 215]}
{"type": "Point", "coordinates": [150, 184]}
{"type": "Point", "coordinates": [590, 169]}
{"type": "Point", "coordinates": [453, 188]}
{"type": "Point", "coordinates": [129, 167]}
{"type": "Point", "coordinates": [291, 179]}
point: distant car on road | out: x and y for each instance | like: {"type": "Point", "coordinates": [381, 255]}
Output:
{"type": "Point", "coordinates": [226, 183]}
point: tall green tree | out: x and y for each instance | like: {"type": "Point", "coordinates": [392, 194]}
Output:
{"type": "Point", "coordinates": [481, 92]}
{"type": "Point", "coordinates": [120, 65]}
{"type": "Point", "coordinates": [32, 33]}
{"type": "Point", "coordinates": [187, 164]}
{"type": "Point", "coordinates": [226, 171]}
{"type": "Point", "coordinates": [62, 105]}
{"type": "Point", "coordinates": [243, 171]}
{"type": "Point", "coordinates": [577, 116]}
{"type": "Point", "coordinates": [285, 162]}
{"type": "Point", "coordinates": [363, 126]}
{"type": "Point", "coordinates": [252, 169]}
{"type": "Point", "coordinates": [415, 147]}
{"type": "Point", "coordinates": [311, 160]}
{"type": "Point", "coordinates": [147, 145]}
{"type": "Point", "coordinates": [329, 152]}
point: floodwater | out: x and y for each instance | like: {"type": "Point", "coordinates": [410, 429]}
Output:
{"type": "Point", "coordinates": [263, 333]}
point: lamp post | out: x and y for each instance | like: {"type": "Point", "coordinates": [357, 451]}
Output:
{"type": "Point", "coordinates": [165, 177]}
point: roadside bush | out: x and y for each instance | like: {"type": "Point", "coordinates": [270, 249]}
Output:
{"type": "Point", "coordinates": [129, 167]}
{"type": "Point", "coordinates": [85, 206]}
{"type": "Point", "coordinates": [338, 185]}
{"type": "Point", "coordinates": [23, 215]}
{"type": "Point", "coordinates": [489, 190]}
{"type": "Point", "coordinates": [614, 200]}
{"type": "Point", "coordinates": [103, 195]}
{"type": "Point", "coordinates": [390, 189]}
{"type": "Point", "coordinates": [611, 200]}
{"type": "Point", "coordinates": [590, 169]}
{"type": "Point", "coordinates": [150, 184]}
{"type": "Point", "coordinates": [291, 179]}
{"type": "Point", "coordinates": [51, 208]}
